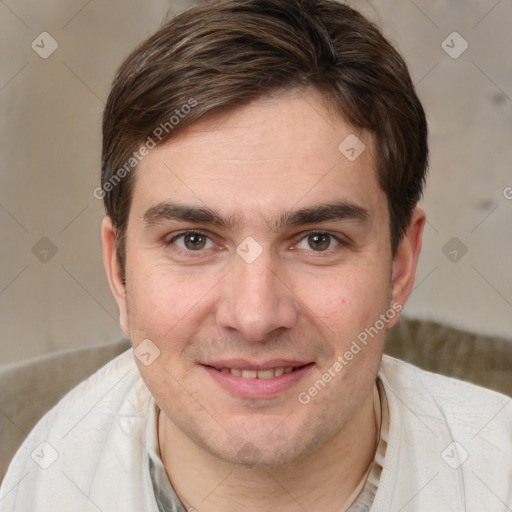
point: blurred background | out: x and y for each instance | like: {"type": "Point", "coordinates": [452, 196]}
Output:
{"type": "Point", "coordinates": [58, 59]}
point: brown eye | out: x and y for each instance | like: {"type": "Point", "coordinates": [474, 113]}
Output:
{"type": "Point", "coordinates": [191, 241]}
{"type": "Point", "coordinates": [319, 241]}
{"type": "Point", "coordinates": [194, 241]}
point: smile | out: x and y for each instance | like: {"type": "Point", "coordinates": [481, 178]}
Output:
{"type": "Point", "coordinates": [257, 374]}
{"type": "Point", "coordinates": [246, 380]}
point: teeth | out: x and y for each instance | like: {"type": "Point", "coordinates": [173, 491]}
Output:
{"type": "Point", "coordinates": [266, 374]}
{"type": "Point", "coordinates": [254, 374]}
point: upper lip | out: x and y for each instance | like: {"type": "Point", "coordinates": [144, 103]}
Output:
{"type": "Point", "coordinates": [257, 366]}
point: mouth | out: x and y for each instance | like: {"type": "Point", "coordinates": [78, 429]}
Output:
{"type": "Point", "coordinates": [269, 373]}
{"type": "Point", "coordinates": [246, 380]}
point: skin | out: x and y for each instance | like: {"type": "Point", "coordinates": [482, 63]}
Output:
{"type": "Point", "coordinates": [299, 300]}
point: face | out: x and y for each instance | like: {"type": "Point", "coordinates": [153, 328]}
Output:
{"type": "Point", "coordinates": [257, 255]}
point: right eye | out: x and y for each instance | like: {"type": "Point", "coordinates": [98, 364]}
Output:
{"type": "Point", "coordinates": [191, 241]}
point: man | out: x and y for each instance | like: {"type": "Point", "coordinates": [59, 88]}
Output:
{"type": "Point", "coordinates": [262, 165]}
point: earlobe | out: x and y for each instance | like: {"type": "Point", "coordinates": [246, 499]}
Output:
{"type": "Point", "coordinates": [406, 259]}
{"type": "Point", "coordinates": [113, 271]}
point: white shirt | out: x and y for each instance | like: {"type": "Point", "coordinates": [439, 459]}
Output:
{"type": "Point", "coordinates": [360, 500]}
{"type": "Point", "coordinates": [449, 447]}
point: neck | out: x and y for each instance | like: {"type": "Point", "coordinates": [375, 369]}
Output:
{"type": "Point", "coordinates": [323, 481]}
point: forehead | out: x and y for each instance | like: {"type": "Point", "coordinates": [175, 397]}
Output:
{"type": "Point", "coordinates": [275, 154]}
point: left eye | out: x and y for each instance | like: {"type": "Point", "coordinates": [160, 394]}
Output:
{"type": "Point", "coordinates": [192, 241]}
{"type": "Point", "coordinates": [318, 242]}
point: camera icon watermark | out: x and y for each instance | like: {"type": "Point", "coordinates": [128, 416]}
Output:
{"type": "Point", "coordinates": [352, 147]}
{"type": "Point", "coordinates": [455, 455]}
{"type": "Point", "coordinates": [249, 250]}
{"type": "Point", "coordinates": [44, 45]}
{"type": "Point", "coordinates": [454, 249]}
{"type": "Point", "coordinates": [146, 352]}
{"type": "Point", "coordinates": [454, 45]}
{"type": "Point", "coordinates": [249, 455]}
{"type": "Point", "coordinates": [44, 455]}
{"type": "Point", "coordinates": [507, 193]}
{"type": "Point", "coordinates": [44, 250]}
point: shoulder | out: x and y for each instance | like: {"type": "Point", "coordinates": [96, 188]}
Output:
{"type": "Point", "coordinates": [445, 391]}
{"type": "Point", "coordinates": [105, 390]}
{"type": "Point", "coordinates": [99, 423]}
{"type": "Point", "coordinates": [450, 438]}
{"type": "Point", "coordinates": [462, 406]}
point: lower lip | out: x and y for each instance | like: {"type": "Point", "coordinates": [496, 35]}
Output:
{"type": "Point", "coordinates": [258, 388]}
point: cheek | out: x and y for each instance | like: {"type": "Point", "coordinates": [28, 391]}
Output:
{"type": "Point", "coordinates": [165, 304]}
{"type": "Point", "coordinates": [346, 301]}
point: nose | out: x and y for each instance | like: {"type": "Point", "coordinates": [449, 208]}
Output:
{"type": "Point", "coordinates": [256, 301]}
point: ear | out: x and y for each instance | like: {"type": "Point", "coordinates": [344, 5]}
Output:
{"type": "Point", "coordinates": [406, 260]}
{"type": "Point", "coordinates": [113, 270]}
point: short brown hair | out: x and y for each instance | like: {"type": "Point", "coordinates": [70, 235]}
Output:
{"type": "Point", "coordinates": [225, 53]}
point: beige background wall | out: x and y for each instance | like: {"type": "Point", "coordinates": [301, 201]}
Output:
{"type": "Point", "coordinates": [50, 115]}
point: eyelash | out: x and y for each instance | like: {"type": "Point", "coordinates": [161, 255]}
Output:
{"type": "Point", "coordinates": [338, 240]}
{"type": "Point", "coordinates": [184, 234]}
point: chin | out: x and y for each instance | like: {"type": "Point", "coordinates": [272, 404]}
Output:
{"type": "Point", "coordinates": [255, 456]}
{"type": "Point", "coordinates": [271, 449]}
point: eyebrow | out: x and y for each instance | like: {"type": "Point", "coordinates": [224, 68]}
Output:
{"type": "Point", "coordinates": [168, 211]}
{"type": "Point", "coordinates": [338, 211]}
